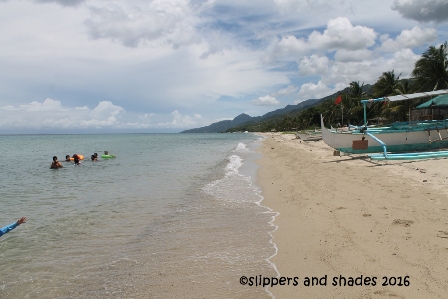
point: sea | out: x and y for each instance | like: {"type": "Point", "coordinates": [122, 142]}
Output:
{"type": "Point", "coordinates": [172, 216]}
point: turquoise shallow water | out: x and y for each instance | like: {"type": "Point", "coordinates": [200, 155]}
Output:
{"type": "Point", "coordinates": [174, 215]}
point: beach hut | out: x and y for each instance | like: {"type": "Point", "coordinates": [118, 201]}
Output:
{"type": "Point", "coordinates": [436, 108]}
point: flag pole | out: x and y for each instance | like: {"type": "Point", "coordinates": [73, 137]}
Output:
{"type": "Point", "coordinates": [337, 102]}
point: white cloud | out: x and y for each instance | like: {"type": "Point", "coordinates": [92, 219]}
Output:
{"type": "Point", "coordinates": [265, 101]}
{"type": "Point", "coordinates": [313, 65]}
{"type": "Point", "coordinates": [47, 105]}
{"type": "Point", "coordinates": [354, 56]}
{"type": "Point", "coordinates": [341, 34]}
{"type": "Point", "coordinates": [342, 73]}
{"type": "Point", "coordinates": [313, 91]}
{"type": "Point", "coordinates": [167, 21]}
{"type": "Point", "coordinates": [409, 39]}
{"type": "Point", "coordinates": [106, 109]}
{"type": "Point", "coordinates": [50, 114]}
{"type": "Point", "coordinates": [402, 61]}
{"type": "Point", "coordinates": [288, 90]}
{"type": "Point", "coordinates": [8, 108]}
{"type": "Point", "coordinates": [182, 121]}
{"type": "Point", "coordinates": [289, 47]}
{"type": "Point", "coordinates": [357, 57]}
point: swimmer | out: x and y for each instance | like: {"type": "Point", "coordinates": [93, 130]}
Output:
{"type": "Point", "coordinates": [67, 158]}
{"type": "Point", "coordinates": [94, 157]}
{"type": "Point", "coordinates": [76, 159]}
{"type": "Point", "coordinates": [12, 226]}
{"type": "Point", "coordinates": [56, 164]}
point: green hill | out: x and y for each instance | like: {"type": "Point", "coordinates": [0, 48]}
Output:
{"type": "Point", "coordinates": [278, 119]}
{"type": "Point", "coordinates": [244, 119]}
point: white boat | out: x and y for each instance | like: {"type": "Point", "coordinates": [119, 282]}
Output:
{"type": "Point", "coordinates": [315, 135]}
{"type": "Point", "coordinates": [392, 138]}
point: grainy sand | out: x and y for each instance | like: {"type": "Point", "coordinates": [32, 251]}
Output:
{"type": "Point", "coordinates": [346, 215]}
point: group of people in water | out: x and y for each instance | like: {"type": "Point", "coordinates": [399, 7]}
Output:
{"type": "Point", "coordinates": [75, 158]}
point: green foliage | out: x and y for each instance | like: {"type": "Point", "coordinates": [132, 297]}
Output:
{"type": "Point", "coordinates": [386, 85]}
{"type": "Point", "coordinates": [430, 70]}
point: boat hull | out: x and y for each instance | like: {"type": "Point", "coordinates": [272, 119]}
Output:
{"type": "Point", "coordinates": [395, 140]}
{"type": "Point", "coordinates": [309, 136]}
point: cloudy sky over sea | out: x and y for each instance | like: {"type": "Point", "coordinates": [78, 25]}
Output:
{"type": "Point", "coordinates": [171, 65]}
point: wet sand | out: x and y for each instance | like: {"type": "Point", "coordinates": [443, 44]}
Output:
{"type": "Point", "coordinates": [347, 216]}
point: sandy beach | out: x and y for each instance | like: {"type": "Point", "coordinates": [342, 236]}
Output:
{"type": "Point", "coordinates": [363, 229]}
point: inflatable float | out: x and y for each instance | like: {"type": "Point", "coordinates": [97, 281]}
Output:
{"type": "Point", "coordinates": [81, 157]}
{"type": "Point", "coordinates": [106, 155]}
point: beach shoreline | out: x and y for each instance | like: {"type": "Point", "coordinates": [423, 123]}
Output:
{"type": "Point", "coordinates": [380, 228]}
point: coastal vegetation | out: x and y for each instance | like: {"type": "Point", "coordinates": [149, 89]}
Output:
{"type": "Point", "coordinates": [430, 73]}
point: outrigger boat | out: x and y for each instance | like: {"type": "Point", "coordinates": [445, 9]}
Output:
{"type": "Point", "coordinates": [315, 135]}
{"type": "Point", "coordinates": [399, 137]}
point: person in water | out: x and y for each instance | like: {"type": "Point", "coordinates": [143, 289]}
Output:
{"type": "Point", "coordinates": [67, 158]}
{"type": "Point", "coordinates": [55, 164]}
{"type": "Point", "coordinates": [76, 159]}
{"type": "Point", "coordinates": [94, 157]}
{"type": "Point", "coordinates": [12, 226]}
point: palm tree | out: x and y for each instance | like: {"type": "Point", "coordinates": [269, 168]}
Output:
{"type": "Point", "coordinates": [396, 111]}
{"type": "Point", "coordinates": [430, 70]}
{"type": "Point", "coordinates": [353, 103]}
{"type": "Point", "coordinates": [386, 85]}
{"type": "Point", "coordinates": [329, 110]}
{"type": "Point", "coordinates": [404, 87]}
{"type": "Point", "coordinates": [401, 110]}
{"type": "Point", "coordinates": [309, 117]}
{"type": "Point", "coordinates": [356, 90]}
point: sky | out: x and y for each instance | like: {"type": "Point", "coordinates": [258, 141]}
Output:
{"type": "Point", "coordinates": [156, 66]}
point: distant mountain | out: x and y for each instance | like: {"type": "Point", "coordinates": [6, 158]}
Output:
{"type": "Point", "coordinates": [244, 119]}
{"type": "Point", "coordinates": [223, 125]}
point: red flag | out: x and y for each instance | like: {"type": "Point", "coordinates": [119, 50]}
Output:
{"type": "Point", "coordinates": [338, 100]}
